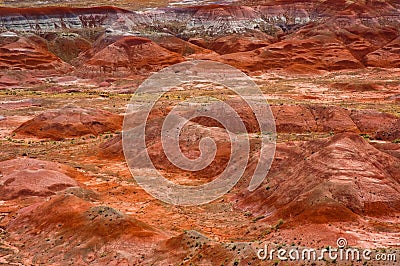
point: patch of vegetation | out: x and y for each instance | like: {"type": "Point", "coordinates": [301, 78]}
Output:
{"type": "Point", "coordinates": [258, 218]}
{"type": "Point", "coordinates": [365, 136]}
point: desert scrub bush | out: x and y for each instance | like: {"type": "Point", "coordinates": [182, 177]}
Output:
{"type": "Point", "coordinates": [258, 218]}
{"type": "Point", "coordinates": [365, 136]}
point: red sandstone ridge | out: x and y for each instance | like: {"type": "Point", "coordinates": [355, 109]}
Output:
{"type": "Point", "coordinates": [298, 119]}
{"type": "Point", "coordinates": [333, 119]}
{"type": "Point", "coordinates": [389, 55]}
{"type": "Point", "coordinates": [317, 52]}
{"type": "Point", "coordinates": [24, 177]}
{"type": "Point", "coordinates": [327, 180]}
{"type": "Point", "coordinates": [378, 125]}
{"type": "Point", "coordinates": [309, 118]}
{"type": "Point", "coordinates": [19, 53]}
{"type": "Point", "coordinates": [130, 55]}
{"type": "Point", "coordinates": [348, 36]}
{"type": "Point", "coordinates": [235, 43]}
{"type": "Point", "coordinates": [70, 122]}
{"type": "Point", "coordinates": [392, 149]}
{"type": "Point", "coordinates": [184, 48]}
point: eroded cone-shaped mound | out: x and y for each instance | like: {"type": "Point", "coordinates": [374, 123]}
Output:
{"type": "Point", "coordinates": [70, 122]}
{"type": "Point", "coordinates": [131, 55]}
{"type": "Point", "coordinates": [70, 229]}
{"type": "Point", "coordinates": [389, 55]}
{"type": "Point", "coordinates": [184, 48]}
{"type": "Point", "coordinates": [236, 43]}
{"type": "Point", "coordinates": [24, 177]}
{"type": "Point", "coordinates": [201, 250]}
{"type": "Point", "coordinates": [189, 146]}
{"type": "Point", "coordinates": [328, 180]}
{"type": "Point", "coordinates": [19, 53]}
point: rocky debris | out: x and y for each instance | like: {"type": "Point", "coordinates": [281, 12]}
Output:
{"type": "Point", "coordinates": [221, 19]}
{"type": "Point", "coordinates": [390, 133]}
{"type": "Point", "coordinates": [327, 180]}
{"type": "Point", "coordinates": [70, 122]}
{"type": "Point", "coordinates": [25, 177]}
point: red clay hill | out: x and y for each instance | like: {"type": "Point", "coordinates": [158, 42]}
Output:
{"type": "Point", "coordinates": [23, 177]}
{"type": "Point", "coordinates": [70, 122]}
{"type": "Point", "coordinates": [129, 54]}
{"type": "Point", "coordinates": [20, 53]}
{"type": "Point", "coordinates": [327, 180]}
